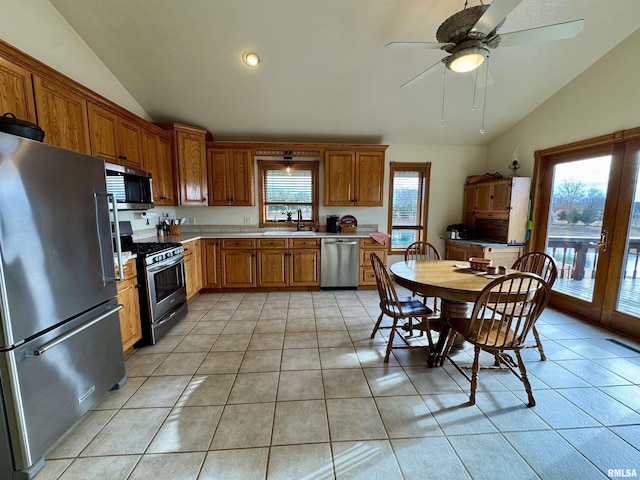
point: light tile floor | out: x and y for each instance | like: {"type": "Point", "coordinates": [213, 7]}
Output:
{"type": "Point", "coordinates": [290, 386]}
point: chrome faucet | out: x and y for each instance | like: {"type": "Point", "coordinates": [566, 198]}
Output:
{"type": "Point", "coordinates": [300, 224]}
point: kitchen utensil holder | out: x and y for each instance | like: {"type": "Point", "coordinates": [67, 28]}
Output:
{"type": "Point", "coordinates": [174, 229]}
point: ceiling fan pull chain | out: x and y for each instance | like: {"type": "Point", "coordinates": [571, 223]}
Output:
{"type": "Point", "coordinates": [484, 103]}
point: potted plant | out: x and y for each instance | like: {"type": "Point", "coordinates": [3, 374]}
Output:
{"type": "Point", "coordinates": [289, 214]}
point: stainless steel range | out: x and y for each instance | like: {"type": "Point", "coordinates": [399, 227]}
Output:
{"type": "Point", "coordinates": [162, 292]}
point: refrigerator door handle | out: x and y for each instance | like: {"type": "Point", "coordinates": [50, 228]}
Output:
{"type": "Point", "coordinates": [56, 341]}
{"type": "Point", "coordinates": [112, 199]}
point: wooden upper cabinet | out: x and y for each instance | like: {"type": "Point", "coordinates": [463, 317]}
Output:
{"type": "Point", "coordinates": [16, 91]}
{"type": "Point", "coordinates": [353, 177]}
{"type": "Point", "coordinates": [62, 114]}
{"type": "Point", "coordinates": [339, 178]}
{"type": "Point", "coordinates": [129, 144]}
{"type": "Point", "coordinates": [191, 157]}
{"type": "Point", "coordinates": [103, 127]}
{"type": "Point", "coordinates": [158, 161]}
{"type": "Point", "coordinates": [230, 172]}
{"type": "Point", "coordinates": [113, 138]}
{"type": "Point", "coordinates": [369, 178]}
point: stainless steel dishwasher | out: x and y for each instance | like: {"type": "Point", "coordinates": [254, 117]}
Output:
{"type": "Point", "coordinates": [339, 263]}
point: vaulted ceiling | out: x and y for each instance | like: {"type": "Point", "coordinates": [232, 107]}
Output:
{"type": "Point", "coordinates": [325, 74]}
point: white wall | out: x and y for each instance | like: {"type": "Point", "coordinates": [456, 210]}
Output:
{"type": "Point", "coordinates": [36, 28]}
{"type": "Point", "coordinates": [603, 99]}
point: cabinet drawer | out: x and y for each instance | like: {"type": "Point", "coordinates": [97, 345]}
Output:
{"type": "Point", "coordinates": [238, 243]}
{"type": "Point", "coordinates": [272, 243]}
{"type": "Point", "coordinates": [304, 242]}
{"type": "Point", "coordinates": [370, 242]}
{"type": "Point", "coordinates": [367, 277]}
{"type": "Point", "coordinates": [129, 269]}
{"type": "Point", "coordinates": [188, 248]}
{"type": "Point", "coordinates": [365, 256]}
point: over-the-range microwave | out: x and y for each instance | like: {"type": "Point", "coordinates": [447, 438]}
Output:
{"type": "Point", "coordinates": [132, 188]}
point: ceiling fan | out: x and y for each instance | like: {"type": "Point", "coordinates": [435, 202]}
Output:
{"type": "Point", "coordinates": [469, 35]}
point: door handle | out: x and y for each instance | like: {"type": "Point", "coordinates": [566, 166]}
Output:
{"type": "Point", "coordinates": [604, 239]}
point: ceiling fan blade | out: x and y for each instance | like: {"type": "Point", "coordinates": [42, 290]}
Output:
{"type": "Point", "coordinates": [428, 45]}
{"type": "Point", "coordinates": [421, 75]}
{"type": "Point", "coordinates": [490, 19]}
{"type": "Point", "coordinates": [559, 31]}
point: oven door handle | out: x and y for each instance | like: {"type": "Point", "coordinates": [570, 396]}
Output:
{"type": "Point", "coordinates": [164, 264]}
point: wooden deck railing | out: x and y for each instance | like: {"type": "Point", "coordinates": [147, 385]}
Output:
{"type": "Point", "coordinates": [576, 257]}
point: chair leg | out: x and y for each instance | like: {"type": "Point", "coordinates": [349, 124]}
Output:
{"type": "Point", "coordinates": [474, 375]}
{"type": "Point", "coordinates": [391, 335]}
{"type": "Point", "coordinates": [525, 380]}
{"type": "Point", "coordinates": [543, 357]}
{"type": "Point", "coordinates": [450, 339]}
{"type": "Point", "coordinates": [377, 325]}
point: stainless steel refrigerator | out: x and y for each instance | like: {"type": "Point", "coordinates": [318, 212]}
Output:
{"type": "Point", "coordinates": [60, 344]}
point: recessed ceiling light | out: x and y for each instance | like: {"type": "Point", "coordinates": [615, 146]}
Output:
{"type": "Point", "coordinates": [250, 58]}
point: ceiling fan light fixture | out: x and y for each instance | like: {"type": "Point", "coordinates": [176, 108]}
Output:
{"type": "Point", "coordinates": [467, 59]}
{"type": "Point", "coordinates": [250, 59]}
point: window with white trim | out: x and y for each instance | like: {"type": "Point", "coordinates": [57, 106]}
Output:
{"type": "Point", "coordinates": [286, 188]}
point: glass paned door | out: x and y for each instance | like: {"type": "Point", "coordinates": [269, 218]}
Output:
{"type": "Point", "coordinates": [629, 292]}
{"type": "Point", "coordinates": [574, 228]}
{"type": "Point", "coordinates": [588, 219]}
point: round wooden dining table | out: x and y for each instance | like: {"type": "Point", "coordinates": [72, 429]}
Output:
{"type": "Point", "coordinates": [452, 281]}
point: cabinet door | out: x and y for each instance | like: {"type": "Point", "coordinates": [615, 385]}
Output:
{"type": "Point", "coordinates": [197, 258]}
{"type": "Point", "coordinates": [240, 175]}
{"type": "Point", "coordinates": [369, 177]}
{"type": "Point", "coordinates": [483, 199]}
{"type": "Point", "coordinates": [102, 129]}
{"type": "Point", "coordinates": [189, 276]}
{"type": "Point", "coordinates": [16, 91]}
{"type": "Point", "coordinates": [469, 206]}
{"type": "Point", "coordinates": [339, 171]}
{"type": "Point", "coordinates": [166, 171]}
{"type": "Point", "coordinates": [238, 268]}
{"type": "Point", "coordinates": [193, 268]}
{"type": "Point", "coordinates": [211, 263]}
{"type": "Point", "coordinates": [272, 268]}
{"type": "Point", "coordinates": [62, 114]}
{"type": "Point", "coordinates": [304, 267]}
{"type": "Point", "coordinates": [501, 199]}
{"type": "Point", "coordinates": [219, 188]}
{"type": "Point", "coordinates": [130, 327]}
{"type": "Point", "coordinates": [129, 144]}
{"type": "Point", "coordinates": [192, 167]}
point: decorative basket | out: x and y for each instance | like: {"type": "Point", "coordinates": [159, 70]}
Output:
{"type": "Point", "coordinates": [174, 229]}
{"type": "Point", "coordinates": [480, 264]}
{"type": "Point", "coordinates": [348, 228]}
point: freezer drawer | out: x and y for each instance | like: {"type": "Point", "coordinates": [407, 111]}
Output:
{"type": "Point", "coordinates": [57, 377]}
{"type": "Point", "coordinates": [339, 263]}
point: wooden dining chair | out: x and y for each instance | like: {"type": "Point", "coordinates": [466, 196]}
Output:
{"type": "Point", "coordinates": [424, 251]}
{"type": "Point", "coordinates": [502, 316]}
{"type": "Point", "coordinates": [398, 308]}
{"type": "Point", "coordinates": [544, 265]}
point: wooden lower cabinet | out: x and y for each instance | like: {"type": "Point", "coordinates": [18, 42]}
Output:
{"type": "Point", "coordinates": [193, 267]}
{"type": "Point", "coordinates": [367, 247]}
{"type": "Point", "coordinates": [272, 261]}
{"type": "Point", "coordinates": [500, 255]}
{"type": "Point", "coordinates": [211, 263]}
{"type": "Point", "coordinates": [304, 262]}
{"type": "Point", "coordinates": [130, 326]}
{"type": "Point", "coordinates": [237, 263]}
